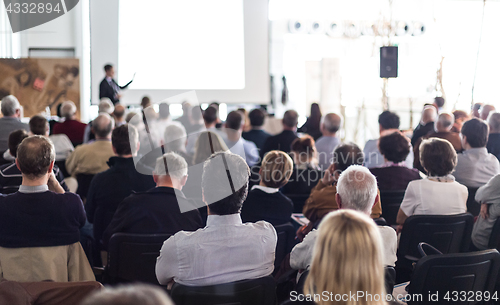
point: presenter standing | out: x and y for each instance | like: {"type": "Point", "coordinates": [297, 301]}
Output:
{"type": "Point", "coordinates": [109, 88]}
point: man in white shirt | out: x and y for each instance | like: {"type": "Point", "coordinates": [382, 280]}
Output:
{"type": "Point", "coordinates": [356, 190]}
{"type": "Point", "coordinates": [235, 142]}
{"type": "Point", "coordinates": [226, 250]}
{"type": "Point", "coordinates": [330, 125]}
{"type": "Point", "coordinates": [475, 166]}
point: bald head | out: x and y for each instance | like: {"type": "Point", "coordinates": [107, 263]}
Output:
{"type": "Point", "coordinates": [444, 122]}
{"type": "Point", "coordinates": [102, 126]}
{"type": "Point", "coordinates": [330, 124]}
{"type": "Point", "coordinates": [119, 112]}
{"type": "Point", "coordinates": [429, 114]}
{"type": "Point", "coordinates": [485, 111]}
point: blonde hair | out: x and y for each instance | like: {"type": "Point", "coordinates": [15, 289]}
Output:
{"type": "Point", "coordinates": [207, 143]}
{"type": "Point", "coordinates": [347, 258]}
{"type": "Point", "coordinates": [276, 169]}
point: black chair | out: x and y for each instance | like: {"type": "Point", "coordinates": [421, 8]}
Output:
{"type": "Point", "coordinates": [391, 201]}
{"type": "Point", "coordinates": [443, 274]}
{"type": "Point", "coordinates": [473, 206]}
{"type": "Point", "coordinates": [494, 242]}
{"type": "Point", "coordinates": [132, 257]}
{"type": "Point", "coordinates": [298, 201]}
{"type": "Point", "coordinates": [286, 241]}
{"type": "Point", "coordinates": [83, 184]}
{"type": "Point", "coordinates": [260, 291]}
{"type": "Point", "coordinates": [390, 279]}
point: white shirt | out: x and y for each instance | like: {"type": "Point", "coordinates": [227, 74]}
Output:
{"type": "Point", "coordinates": [302, 254]}
{"type": "Point", "coordinates": [226, 250]}
{"type": "Point", "coordinates": [475, 167]}
{"type": "Point", "coordinates": [265, 189]}
{"type": "Point", "coordinates": [429, 197]}
{"type": "Point", "coordinates": [373, 157]}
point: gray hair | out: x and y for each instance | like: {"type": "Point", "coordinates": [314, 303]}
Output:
{"type": "Point", "coordinates": [171, 164]}
{"type": "Point", "coordinates": [494, 122]}
{"type": "Point", "coordinates": [331, 122]}
{"type": "Point", "coordinates": [129, 295]}
{"type": "Point", "coordinates": [357, 188]}
{"type": "Point", "coordinates": [68, 109]}
{"type": "Point", "coordinates": [103, 125]}
{"type": "Point", "coordinates": [445, 120]}
{"type": "Point", "coordinates": [105, 105]}
{"type": "Point", "coordinates": [429, 114]}
{"type": "Point", "coordinates": [175, 138]}
{"type": "Point", "coordinates": [9, 105]}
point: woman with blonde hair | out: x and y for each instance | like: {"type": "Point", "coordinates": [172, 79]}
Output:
{"type": "Point", "coordinates": [347, 260]}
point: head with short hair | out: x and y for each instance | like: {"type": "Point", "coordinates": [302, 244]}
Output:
{"type": "Point", "coordinates": [494, 122]}
{"type": "Point", "coordinates": [444, 122]}
{"type": "Point", "coordinates": [164, 110]}
{"type": "Point", "coordinates": [439, 101]}
{"type": "Point", "coordinates": [210, 115]}
{"type": "Point", "coordinates": [429, 114]}
{"type": "Point", "coordinates": [347, 154]}
{"type": "Point", "coordinates": [129, 295]}
{"type": "Point", "coordinates": [331, 123]}
{"type": "Point", "coordinates": [357, 189]}
{"type": "Point", "coordinates": [35, 156]}
{"type": "Point", "coordinates": [485, 111]}
{"type": "Point", "coordinates": [145, 102]}
{"type": "Point", "coordinates": [10, 105]}
{"type": "Point", "coordinates": [119, 111]}
{"type": "Point", "coordinates": [106, 106]}
{"type": "Point", "coordinates": [347, 257]}
{"type": "Point", "coordinates": [171, 164]}
{"type": "Point", "coordinates": [257, 117]}
{"type": "Point", "coordinates": [68, 110]}
{"type": "Point", "coordinates": [196, 114]}
{"type": "Point", "coordinates": [438, 157]}
{"type": "Point", "coordinates": [175, 138]}
{"type": "Point", "coordinates": [186, 108]}
{"type": "Point", "coordinates": [395, 147]}
{"type": "Point", "coordinates": [207, 143]}
{"type": "Point", "coordinates": [15, 138]}
{"type": "Point", "coordinates": [102, 126]}
{"type": "Point", "coordinates": [108, 69]}
{"type": "Point", "coordinates": [235, 120]}
{"type": "Point", "coordinates": [125, 140]}
{"type": "Point", "coordinates": [290, 119]}
{"type": "Point", "coordinates": [276, 169]}
{"type": "Point", "coordinates": [303, 149]}
{"type": "Point", "coordinates": [39, 125]}
{"type": "Point", "coordinates": [215, 178]}
{"type": "Point", "coordinates": [475, 133]}
{"type": "Point", "coordinates": [388, 120]}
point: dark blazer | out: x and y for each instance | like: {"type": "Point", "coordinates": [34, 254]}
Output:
{"type": "Point", "coordinates": [109, 188]}
{"type": "Point", "coordinates": [493, 145]}
{"type": "Point", "coordinates": [258, 136]}
{"type": "Point", "coordinates": [394, 178]}
{"type": "Point", "coordinates": [302, 181]}
{"type": "Point", "coordinates": [274, 208]}
{"type": "Point", "coordinates": [105, 90]}
{"type": "Point", "coordinates": [153, 212]}
{"type": "Point", "coordinates": [282, 141]}
{"type": "Point", "coordinates": [420, 131]}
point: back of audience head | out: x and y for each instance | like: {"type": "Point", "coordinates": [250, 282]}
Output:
{"type": "Point", "coordinates": [215, 180]}
{"type": "Point", "coordinates": [438, 157]}
{"type": "Point", "coordinates": [429, 114]}
{"type": "Point", "coordinates": [125, 140]}
{"type": "Point", "coordinates": [171, 168]}
{"type": "Point", "coordinates": [330, 124]}
{"type": "Point", "coordinates": [102, 126]}
{"type": "Point", "coordinates": [196, 115]}
{"type": "Point", "coordinates": [494, 122]}
{"type": "Point", "coordinates": [39, 125]}
{"type": "Point", "coordinates": [357, 189]}
{"type": "Point", "coordinates": [129, 116]}
{"type": "Point", "coordinates": [129, 295]}
{"type": "Point", "coordinates": [347, 154]}
{"type": "Point", "coordinates": [290, 120]}
{"type": "Point", "coordinates": [35, 157]}
{"type": "Point", "coordinates": [174, 138]}
{"type": "Point", "coordinates": [15, 138]}
{"type": "Point", "coordinates": [119, 112]}
{"type": "Point", "coordinates": [395, 147]}
{"type": "Point", "coordinates": [461, 116]}
{"type": "Point", "coordinates": [485, 111]}
{"type": "Point", "coordinates": [68, 110]}
{"type": "Point", "coordinates": [303, 150]}
{"type": "Point", "coordinates": [164, 111]}
{"type": "Point", "coordinates": [257, 118]}
{"type": "Point", "coordinates": [186, 109]}
{"type": "Point", "coordinates": [207, 144]}
{"type": "Point", "coordinates": [10, 106]}
{"type": "Point", "coordinates": [474, 133]}
{"type": "Point", "coordinates": [235, 120]}
{"type": "Point", "coordinates": [106, 106]}
{"type": "Point", "coordinates": [276, 169]}
{"type": "Point", "coordinates": [444, 123]}
{"type": "Point", "coordinates": [476, 108]}
{"type": "Point", "coordinates": [388, 120]}
{"type": "Point", "coordinates": [210, 116]}
{"type": "Point", "coordinates": [347, 258]}
{"type": "Point", "coordinates": [439, 102]}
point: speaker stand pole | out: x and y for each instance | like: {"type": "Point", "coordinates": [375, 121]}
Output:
{"type": "Point", "coordinates": [385, 97]}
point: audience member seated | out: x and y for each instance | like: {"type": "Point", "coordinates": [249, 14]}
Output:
{"type": "Point", "coordinates": [11, 111]}
{"type": "Point", "coordinates": [185, 119]}
{"type": "Point", "coordinates": [439, 193]}
{"type": "Point", "coordinates": [442, 130]}
{"type": "Point", "coordinates": [306, 173]}
{"type": "Point", "coordinates": [39, 224]}
{"type": "Point", "coordinates": [439, 103]}
{"type": "Point", "coordinates": [357, 190]}
{"type": "Point", "coordinates": [197, 124]}
{"type": "Point", "coordinates": [210, 117]}
{"type": "Point", "coordinates": [493, 145]}
{"type": "Point", "coordinates": [10, 175]}
{"type": "Point", "coordinates": [161, 209]}
{"type": "Point", "coordinates": [265, 201]}
{"type": "Point", "coordinates": [111, 186]}
{"type": "Point", "coordinates": [426, 124]}
{"type": "Point", "coordinates": [105, 106]}
{"type": "Point", "coordinates": [393, 175]}
{"type": "Point", "coordinates": [119, 114]}
{"type": "Point", "coordinates": [174, 140]}
{"type": "Point", "coordinates": [283, 141]}
{"type": "Point", "coordinates": [92, 158]}
{"type": "Point", "coordinates": [322, 199]}
{"type": "Point", "coordinates": [40, 126]}
{"type": "Point", "coordinates": [137, 294]}
{"type": "Point", "coordinates": [243, 148]}
{"type": "Point", "coordinates": [475, 166]}
{"type": "Point", "coordinates": [388, 122]}
{"type": "Point", "coordinates": [226, 250]}
{"type": "Point", "coordinates": [355, 267]}
{"type": "Point", "coordinates": [71, 127]}
{"type": "Point", "coordinates": [326, 144]}
{"type": "Point", "coordinates": [312, 125]}
{"type": "Point", "coordinates": [489, 197]}
{"type": "Point", "coordinates": [256, 134]}
{"type": "Point", "coordinates": [475, 110]}
{"type": "Point", "coordinates": [460, 117]}
{"type": "Point", "coordinates": [485, 111]}
{"type": "Point", "coordinates": [157, 127]}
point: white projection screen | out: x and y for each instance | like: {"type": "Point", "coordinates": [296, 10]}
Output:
{"type": "Point", "coordinates": [217, 47]}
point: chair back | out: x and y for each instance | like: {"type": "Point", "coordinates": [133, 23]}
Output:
{"type": "Point", "coordinates": [132, 257]}
{"type": "Point", "coordinates": [448, 233]}
{"type": "Point", "coordinates": [260, 291]}
{"type": "Point", "coordinates": [83, 184]}
{"type": "Point", "coordinates": [391, 201]}
{"type": "Point", "coordinates": [443, 274]}
{"type": "Point", "coordinates": [286, 241]}
{"type": "Point", "coordinates": [494, 242]}
{"type": "Point", "coordinates": [390, 279]}
{"type": "Point", "coordinates": [298, 201]}
{"type": "Point", "coordinates": [473, 206]}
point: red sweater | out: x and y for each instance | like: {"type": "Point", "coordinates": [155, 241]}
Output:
{"type": "Point", "coordinates": [73, 129]}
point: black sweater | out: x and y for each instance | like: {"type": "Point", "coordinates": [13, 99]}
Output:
{"type": "Point", "coordinates": [274, 208]}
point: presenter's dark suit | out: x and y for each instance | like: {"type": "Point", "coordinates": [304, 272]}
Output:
{"type": "Point", "coordinates": [107, 90]}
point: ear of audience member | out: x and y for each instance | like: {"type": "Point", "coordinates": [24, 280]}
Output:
{"type": "Point", "coordinates": [138, 294]}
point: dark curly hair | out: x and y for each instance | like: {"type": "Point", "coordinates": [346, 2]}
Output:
{"type": "Point", "coordinates": [394, 147]}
